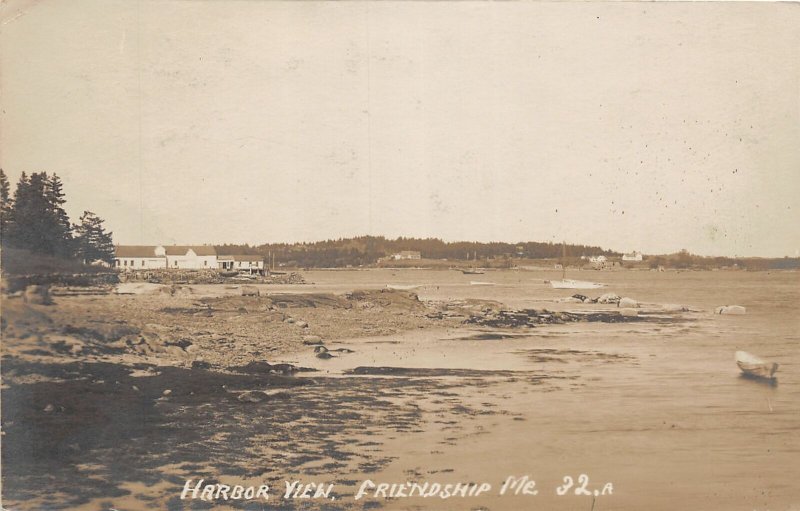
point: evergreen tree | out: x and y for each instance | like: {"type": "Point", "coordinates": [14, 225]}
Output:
{"type": "Point", "coordinates": [60, 234]}
{"type": "Point", "coordinates": [23, 227]}
{"type": "Point", "coordinates": [38, 221]}
{"type": "Point", "coordinates": [5, 206]}
{"type": "Point", "coordinates": [92, 241]}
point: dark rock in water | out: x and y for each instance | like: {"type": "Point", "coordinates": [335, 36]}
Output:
{"type": "Point", "coordinates": [255, 367]}
{"type": "Point", "coordinates": [580, 297]}
{"type": "Point", "coordinates": [529, 318]}
{"type": "Point", "coordinates": [323, 349]}
{"type": "Point", "coordinates": [199, 364]}
{"type": "Point", "coordinates": [260, 367]}
{"type": "Point", "coordinates": [487, 336]}
{"type": "Point", "coordinates": [324, 355]}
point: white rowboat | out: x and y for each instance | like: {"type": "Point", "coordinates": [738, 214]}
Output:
{"type": "Point", "coordinates": [752, 365]}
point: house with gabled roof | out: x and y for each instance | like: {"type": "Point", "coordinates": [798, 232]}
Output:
{"type": "Point", "coordinates": [252, 264]}
{"type": "Point", "coordinates": [139, 257]}
{"type": "Point", "coordinates": [146, 257]}
{"type": "Point", "coordinates": [407, 254]}
{"type": "Point", "coordinates": [195, 257]}
{"type": "Point", "coordinates": [633, 256]}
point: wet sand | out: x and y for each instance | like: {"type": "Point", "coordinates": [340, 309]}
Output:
{"type": "Point", "coordinates": [657, 408]}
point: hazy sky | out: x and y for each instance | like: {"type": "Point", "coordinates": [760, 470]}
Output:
{"type": "Point", "coordinates": [628, 125]}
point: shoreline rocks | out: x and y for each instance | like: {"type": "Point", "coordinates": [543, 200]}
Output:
{"type": "Point", "coordinates": [627, 303]}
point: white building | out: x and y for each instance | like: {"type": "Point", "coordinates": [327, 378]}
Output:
{"type": "Point", "coordinates": [407, 254]}
{"type": "Point", "coordinates": [249, 263]}
{"type": "Point", "coordinates": [634, 256]}
{"type": "Point", "coordinates": [601, 259]}
{"type": "Point", "coordinates": [201, 257]}
{"type": "Point", "coordinates": [140, 257]}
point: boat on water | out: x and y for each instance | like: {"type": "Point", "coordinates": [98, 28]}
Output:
{"type": "Point", "coordinates": [574, 284]}
{"type": "Point", "coordinates": [755, 367]}
{"type": "Point", "coordinates": [566, 283]}
{"type": "Point", "coordinates": [479, 283]}
{"type": "Point", "coordinates": [472, 270]}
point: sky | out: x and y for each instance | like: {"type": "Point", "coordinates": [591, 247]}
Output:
{"type": "Point", "coordinates": [633, 126]}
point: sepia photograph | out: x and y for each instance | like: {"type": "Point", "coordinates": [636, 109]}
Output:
{"type": "Point", "coordinates": [399, 255]}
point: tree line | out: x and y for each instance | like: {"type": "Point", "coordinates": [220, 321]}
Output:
{"type": "Point", "coordinates": [34, 219]}
{"type": "Point", "coordinates": [685, 260]}
{"type": "Point", "coordinates": [368, 250]}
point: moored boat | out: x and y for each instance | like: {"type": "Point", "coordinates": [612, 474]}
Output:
{"type": "Point", "coordinates": [566, 283]}
{"type": "Point", "coordinates": [754, 366]}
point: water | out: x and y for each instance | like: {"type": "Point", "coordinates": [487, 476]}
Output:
{"type": "Point", "coordinates": [655, 410]}
{"type": "Point", "coordinates": [658, 410]}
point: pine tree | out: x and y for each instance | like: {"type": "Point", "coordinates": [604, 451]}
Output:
{"type": "Point", "coordinates": [23, 225]}
{"type": "Point", "coordinates": [93, 242]}
{"type": "Point", "coordinates": [5, 206]}
{"type": "Point", "coordinates": [38, 221]}
{"type": "Point", "coordinates": [60, 234]}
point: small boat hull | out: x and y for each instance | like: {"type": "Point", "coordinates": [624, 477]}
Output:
{"type": "Point", "coordinates": [574, 284]}
{"type": "Point", "coordinates": [755, 367]}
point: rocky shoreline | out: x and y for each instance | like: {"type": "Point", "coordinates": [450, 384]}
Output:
{"type": "Point", "coordinates": [85, 374]}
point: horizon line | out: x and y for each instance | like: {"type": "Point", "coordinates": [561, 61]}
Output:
{"type": "Point", "coordinates": [446, 241]}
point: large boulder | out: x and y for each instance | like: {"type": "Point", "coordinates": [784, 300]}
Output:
{"type": "Point", "coordinates": [312, 340]}
{"type": "Point", "coordinates": [730, 309]}
{"type": "Point", "coordinates": [627, 303]}
{"type": "Point", "coordinates": [250, 291]}
{"type": "Point", "coordinates": [608, 298]}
